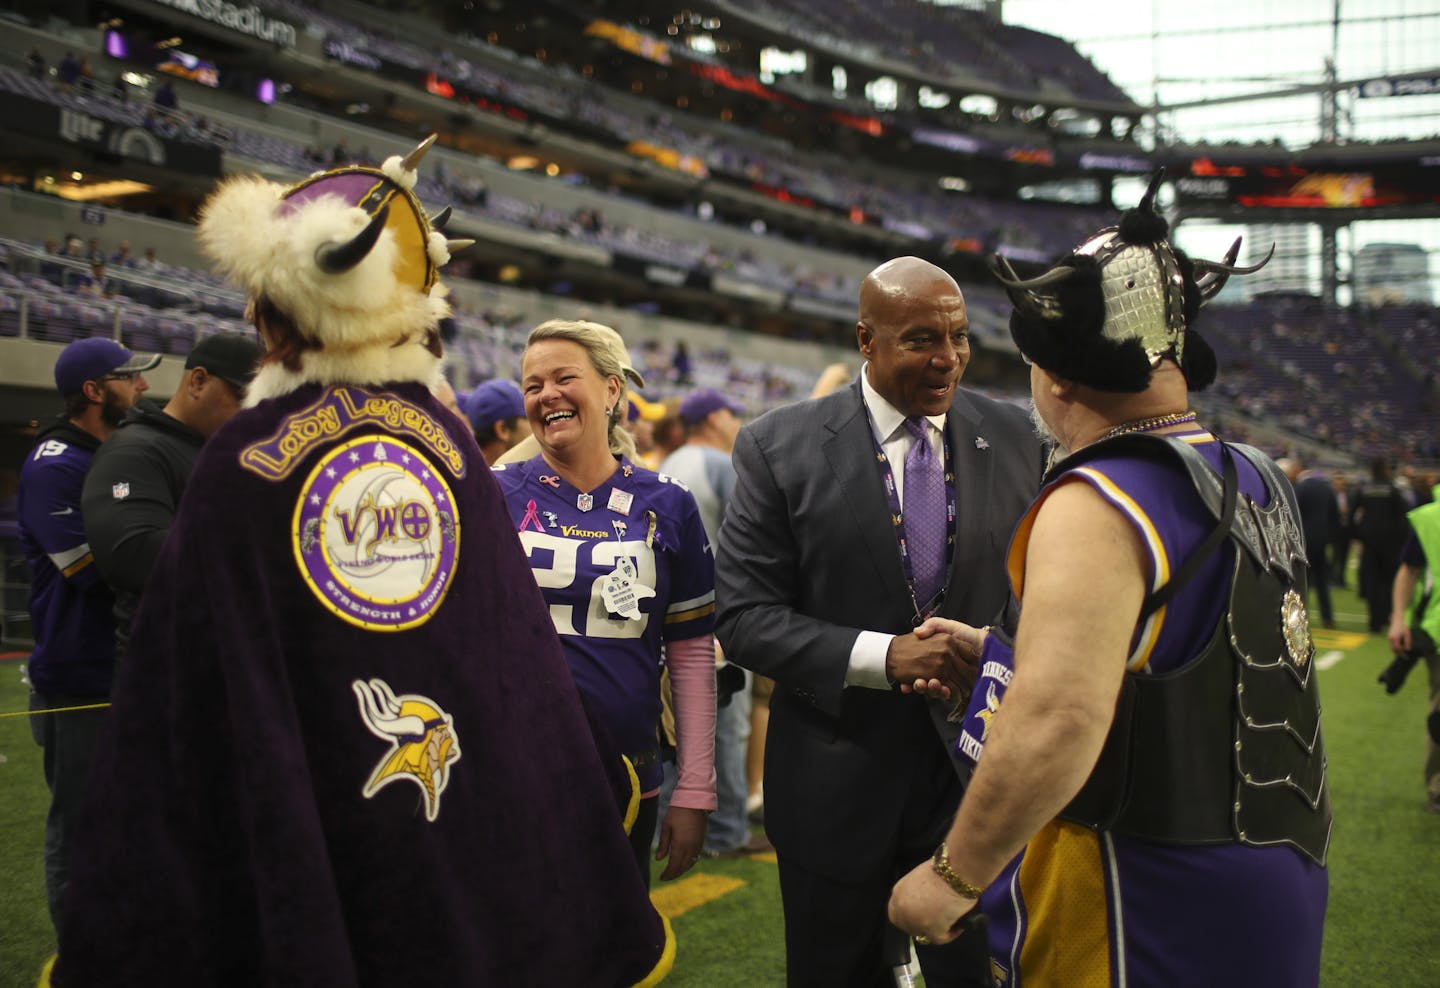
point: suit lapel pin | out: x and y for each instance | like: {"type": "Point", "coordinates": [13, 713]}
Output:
{"type": "Point", "coordinates": [980, 443]}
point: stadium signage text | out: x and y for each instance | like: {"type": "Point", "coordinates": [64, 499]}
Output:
{"type": "Point", "coordinates": [245, 20]}
{"type": "Point", "coordinates": [350, 55]}
{"type": "Point", "coordinates": [1411, 86]}
{"type": "Point", "coordinates": [949, 140]}
{"type": "Point", "coordinates": [23, 115]}
{"type": "Point", "coordinates": [1114, 162]}
{"type": "Point", "coordinates": [1203, 188]}
{"type": "Point", "coordinates": [76, 126]}
{"type": "Point", "coordinates": [664, 275]}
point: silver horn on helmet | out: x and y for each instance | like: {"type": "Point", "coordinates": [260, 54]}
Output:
{"type": "Point", "coordinates": [1210, 276]}
{"type": "Point", "coordinates": [1027, 293]}
{"type": "Point", "coordinates": [413, 158]}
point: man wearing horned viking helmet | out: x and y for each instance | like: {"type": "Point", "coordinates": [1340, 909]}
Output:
{"type": "Point", "coordinates": [345, 700]}
{"type": "Point", "coordinates": [1148, 804]}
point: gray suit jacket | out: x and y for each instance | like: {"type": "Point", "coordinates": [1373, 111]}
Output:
{"type": "Point", "coordinates": [806, 560]}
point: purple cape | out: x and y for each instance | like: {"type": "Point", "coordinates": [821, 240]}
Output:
{"type": "Point", "coordinates": [346, 748]}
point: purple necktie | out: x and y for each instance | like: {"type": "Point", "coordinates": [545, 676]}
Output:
{"type": "Point", "coordinates": [924, 511]}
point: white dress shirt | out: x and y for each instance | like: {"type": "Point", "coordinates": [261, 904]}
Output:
{"type": "Point", "coordinates": [867, 655]}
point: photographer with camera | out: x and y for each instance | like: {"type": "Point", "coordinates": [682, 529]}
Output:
{"type": "Point", "coordinates": [1415, 626]}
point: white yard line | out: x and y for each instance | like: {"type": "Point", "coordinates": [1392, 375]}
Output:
{"type": "Point", "coordinates": [1329, 659]}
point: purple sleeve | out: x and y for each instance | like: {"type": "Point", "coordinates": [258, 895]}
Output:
{"type": "Point", "coordinates": [690, 611]}
{"type": "Point", "coordinates": [50, 512]}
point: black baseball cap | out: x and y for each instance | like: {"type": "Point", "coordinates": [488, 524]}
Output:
{"type": "Point", "coordinates": [233, 357]}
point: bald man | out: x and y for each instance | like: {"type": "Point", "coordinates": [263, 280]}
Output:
{"type": "Point", "coordinates": [814, 591]}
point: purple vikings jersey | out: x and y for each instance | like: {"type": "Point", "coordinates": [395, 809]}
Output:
{"type": "Point", "coordinates": [624, 568]}
{"type": "Point", "coordinates": [1081, 907]}
{"type": "Point", "coordinates": [70, 606]}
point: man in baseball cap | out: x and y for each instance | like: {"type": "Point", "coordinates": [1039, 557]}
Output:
{"type": "Point", "coordinates": [700, 405]}
{"type": "Point", "coordinates": [134, 485]}
{"type": "Point", "coordinates": [496, 411]}
{"type": "Point", "coordinates": [73, 659]}
{"type": "Point", "coordinates": [100, 362]}
{"type": "Point", "coordinates": [232, 357]}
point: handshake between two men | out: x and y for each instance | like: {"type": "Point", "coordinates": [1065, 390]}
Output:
{"type": "Point", "coordinates": [940, 658]}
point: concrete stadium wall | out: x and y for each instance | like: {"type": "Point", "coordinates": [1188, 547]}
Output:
{"type": "Point", "coordinates": [29, 216]}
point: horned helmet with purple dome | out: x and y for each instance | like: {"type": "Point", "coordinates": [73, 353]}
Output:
{"type": "Point", "coordinates": [348, 255]}
{"type": "Point", "coordinates": [1111, 310]}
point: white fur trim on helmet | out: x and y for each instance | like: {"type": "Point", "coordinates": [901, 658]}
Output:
{"type": "Point", "coordinates": [438, 248]}
{"type": "Point", "coordinates": [270, 254]}
{"type": "Point", "coordinates": [395, 171]}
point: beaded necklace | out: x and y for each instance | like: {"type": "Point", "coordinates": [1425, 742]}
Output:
{"type": "Point", "coordinates": [1150, 424]}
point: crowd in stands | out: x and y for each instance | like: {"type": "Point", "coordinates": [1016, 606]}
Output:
{"type": "Point", "coordinates": [51, 292]}
{"type": "Point", "coordinates": [723, 149]}
{"type": "Point", "coordinates": [1356, 380]}
{"type": "Point", "coordinates": [944, 41]}
{"type": "Point", "coordinates": [1360, 380]}
{"type": "Point", "coordinates": [62, 293]}
{"type": "Point", "coordinates": [1025, 231]}
{"type": "Point", "coordinates": [1031, 231]}
{"type": "Point", "coordinates": [1311, 369]}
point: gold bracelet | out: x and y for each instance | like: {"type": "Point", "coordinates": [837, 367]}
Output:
{"type": "Point", "coordinates": [941, 863]}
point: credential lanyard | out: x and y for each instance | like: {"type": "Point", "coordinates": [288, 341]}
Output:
{"type": "Point", "coordinates": [897, 518]}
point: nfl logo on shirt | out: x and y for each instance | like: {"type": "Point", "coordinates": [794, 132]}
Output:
{"type": "Point", "coordinates": [121, 490]}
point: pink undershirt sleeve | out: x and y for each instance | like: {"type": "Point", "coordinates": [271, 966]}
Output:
{"type": "Point", "coordinates": [692, 684]}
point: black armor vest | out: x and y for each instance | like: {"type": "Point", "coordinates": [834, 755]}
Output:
{"type": "Point", "coordinates": [1228, 748]}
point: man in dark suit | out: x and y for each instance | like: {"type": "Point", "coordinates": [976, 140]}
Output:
{"type": "Point", "coordinates": [821, 575]}
{"type": "Point", "coordinates": [1320, 521]}
{"type": "Point", "coordinates": [1377, 522]}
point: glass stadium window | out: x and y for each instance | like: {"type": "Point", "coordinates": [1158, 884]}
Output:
{"type": "Point", "coordinates": [1074, 123]}
{"type": "Point", "coordinates": [932, 99]}
{"type": "Point", "coordinates": [883, 93]}
{"type": "Point", "coordinates": [980, 105]}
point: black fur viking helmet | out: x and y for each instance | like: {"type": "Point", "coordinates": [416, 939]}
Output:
{"type": "Point", "coordinates": [1108, 312]}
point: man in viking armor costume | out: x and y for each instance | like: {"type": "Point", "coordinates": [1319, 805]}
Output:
{"type": "Point", "coordinates": [1148, 804]}
{"type": "Point", "coordinates": [346, 747]}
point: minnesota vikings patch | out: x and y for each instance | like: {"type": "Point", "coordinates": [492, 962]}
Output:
{"type": "Point", "coordinates": [422, 739]}
{"type": "Point", "coordinates": [376, 534]}
{"type": "Point", "coordinates": [984, 704]}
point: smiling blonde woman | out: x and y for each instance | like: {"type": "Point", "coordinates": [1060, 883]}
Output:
{"type": "Point", "coordinates": [622, 559]}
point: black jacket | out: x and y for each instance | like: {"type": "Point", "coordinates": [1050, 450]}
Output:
{"type": "Point", "coordinates": [130, 497]}
{"type": "Point", "coordinates": [1319, 513]}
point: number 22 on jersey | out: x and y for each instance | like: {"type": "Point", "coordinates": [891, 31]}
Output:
{"type": "Point", "coordinates": [560, 575]}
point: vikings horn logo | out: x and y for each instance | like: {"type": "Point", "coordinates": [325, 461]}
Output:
{"type": "Point", "coordinates": [992, 707]}
{"type": "Point", "coordinates": [422, 736]}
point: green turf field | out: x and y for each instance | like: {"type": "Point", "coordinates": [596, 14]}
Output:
{"type": "Point", "coordinates": [1385, 857]}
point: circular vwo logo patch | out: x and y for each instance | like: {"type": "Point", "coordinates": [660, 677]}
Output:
{"type": "Point", "coordinates": [376, 535]}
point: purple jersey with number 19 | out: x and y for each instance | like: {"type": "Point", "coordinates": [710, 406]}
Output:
{"type": "Point", "coordinates": [624, 568]}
